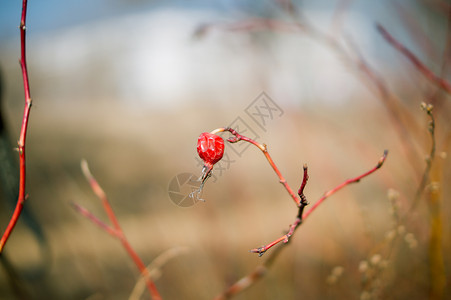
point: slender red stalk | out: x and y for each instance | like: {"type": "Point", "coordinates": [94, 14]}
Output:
{"type": "Point", "coordinates": [442, 83]}
{"type": "Point", "coordinates": [23, 132]}
{"type": "Point", "coordinates": [342, 185]}
{"type": "Point", "coordinates": [260, 271]}
{"type": "Point", "coordinates": [248, 280]}
{"type": "Point", "coordinates": [302, 202]}
{"type": "Point", "coordinates": [87, 214]}
{"type": "Point", "coordinates": [117, 230]}
{"type": "Point", "coordinates": [286, 237]}
{"type": "Point", "coordinates": [301, 216]}
{"type": "Point", "coordinates": [238, 137]}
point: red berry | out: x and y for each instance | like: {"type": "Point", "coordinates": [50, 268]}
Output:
{"type": "Point", "coordinates": [210, 148]}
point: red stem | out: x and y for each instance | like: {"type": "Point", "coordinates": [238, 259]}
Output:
{"type": "Point", "coordinates": [286, 237]}
{"type": "Point", "coordinates": [87, 214]}
{"type": "Point", "coordinates": [301, 216]}
{"type": "Point", "coordinates": [23, 132]}
{"type": "Point", "coordinates": [445, 85]}
{"type": "Point", "coordinates": [342, 185]}
{"type": "Point", "coordinates": [238, 137]}
{"type": "Point", "coordinates": [117, 231]}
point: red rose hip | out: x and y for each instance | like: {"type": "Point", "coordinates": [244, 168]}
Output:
{"type": "Point", "coordinates": [210, 148]}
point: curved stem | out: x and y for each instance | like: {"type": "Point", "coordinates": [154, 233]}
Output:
{"type": "Point", "coordinates": [23, 132]}
{"type": "Point", "coordinates": [238, 137]}
{"type": "Point", "coordinates": [117, 230]}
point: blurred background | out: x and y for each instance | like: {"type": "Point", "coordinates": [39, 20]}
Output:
{"type": "Point", "coordinates": [129, 86]}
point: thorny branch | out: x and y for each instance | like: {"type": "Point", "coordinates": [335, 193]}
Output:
{"type": "Point", "coordinates": [116, 230]}
{"type": "Point", "coordinates": [302, 216]}
{"type": "Point", "coordinates": [286, 237]}
{"type": "Point", "coordinates": [23, 131]}
{"type": "Point", "coordinates": [260, 271]}
{"type": "Point", "coordinates": [303, 200]}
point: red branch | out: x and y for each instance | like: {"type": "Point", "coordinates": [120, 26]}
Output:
{"type": "Point", "coordinates": [116, 230]}
{"type": "Point", "coordinates": [301, 216]}
{"type": "Point", "coordinates": [442, 83]}
{"type": "Point", "coordinates": [349, 181]}
{"type": "Point", "coordinates": [261, 270]}
{"type": "Point", "coordinates": [303, 200]}
{"type": "Point", "coordinates": [23, 132]}
{"type": "Point", "coordinates": [238, 137]}
{"type": "Point", "coordinates": [286, 237]}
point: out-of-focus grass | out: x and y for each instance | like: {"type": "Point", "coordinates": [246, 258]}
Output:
{"type": "Point", "coordinates": [134, 153]}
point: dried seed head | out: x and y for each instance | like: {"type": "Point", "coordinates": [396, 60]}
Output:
{"type": "Point", "coordinates": [335, 275]}
{"type": "Point", "coordinates": [365, 295]}
{"type": "Point", "coordinates": [393, 195]}
{"type": "Point", "coordinates": [375, 259]}
{"type": "Point", "coordinates": [338, 271]}
{"type": "Point", "coordinates": [401, 229]}
{"type": "Point", "coordinates": [363, 266]}
{"type": "Point", "coordinates": [411, 240]}
{"type": "Point", "coordinates": [390, 235]}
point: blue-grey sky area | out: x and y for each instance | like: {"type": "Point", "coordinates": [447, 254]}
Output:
{"type": "Point", "coordinates": [51, 14]}
{"type": "Point", "coordinates": [76, 43]}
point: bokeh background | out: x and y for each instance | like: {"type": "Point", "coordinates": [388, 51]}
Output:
{"type": "Point", "coordinates": [129, 86]}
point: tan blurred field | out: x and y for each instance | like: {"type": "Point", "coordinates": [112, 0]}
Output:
{"type": "Point", "coordinates": [135, 149]}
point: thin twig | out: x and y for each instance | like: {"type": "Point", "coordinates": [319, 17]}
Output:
{"type": "Point", "coordinates": [445, 85]}
{"type": "Point", "coordinates": [250, 279]}
{"type": "Point", "coordinates": [415, 31]}
{"type": "Point", "coordinates": [23, 131]}
{"type": "Point", "coordinates": [301, 217]}
{"type": "Point", "coordinates": [300, 203]}
{"type": "Point", "coordinates": [402, 121]}
{"type": "Point", "coordinates": [298, 221]}
{"type": "Point", "coordinates": [238, 137]}
{"type": "Point", "coordinates": [425, 178]}
{"type": "Point", "coordinates": [116, 231]}
{"type": "Point", "coordinates": [260, 271]}
{"type": "Point", "coordinates": [155, 269]}
{"type": "Point", "coordinates": [399, 116]}
{"type": "Point", "coordinates": [89, 215]}
{"type": "Point", "coordinates": [345, 183]}
{"type": "Point", "coordinates": [100, 194]}
{"type": "Point", "coordinates": [338, 15]}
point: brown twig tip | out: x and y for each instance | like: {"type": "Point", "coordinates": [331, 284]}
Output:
{"type": "Point", "coordinates": [261, 250]}
{"type": "Point", "coordinates": [303, 201]}
{"type": "Point", "coordinates": [85, 169]}
{"type": "Point", "coordinates": [382, 160]}
{"type": "Point", "coordinates": [100, 193]}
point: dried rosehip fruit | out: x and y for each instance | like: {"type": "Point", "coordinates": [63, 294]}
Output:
{"type": "Point", "coordinates": [210, 148]}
